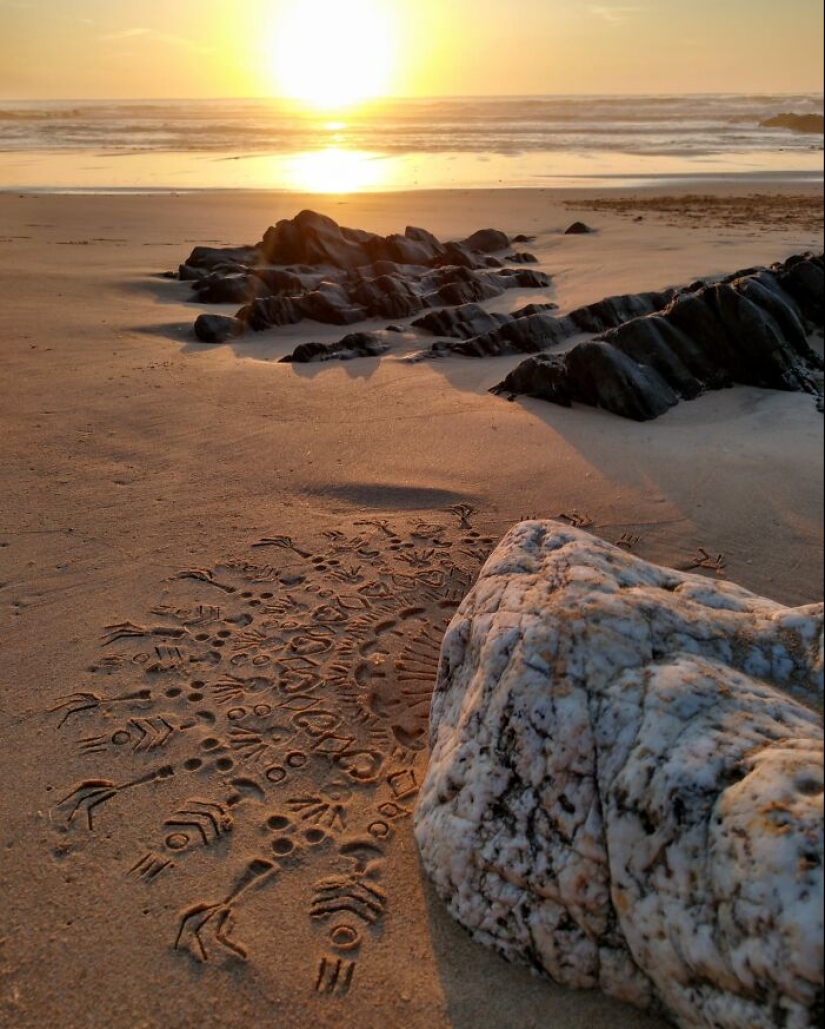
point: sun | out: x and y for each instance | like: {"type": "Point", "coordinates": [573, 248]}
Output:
{"type": "Point", "coordinates": [332, 54]}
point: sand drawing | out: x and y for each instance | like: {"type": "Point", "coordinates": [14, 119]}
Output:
{"type": "Point", "coordinates": [289, 700]}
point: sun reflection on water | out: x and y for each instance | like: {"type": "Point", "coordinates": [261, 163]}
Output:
{"type": "Point", "coordinates": [335, 170]}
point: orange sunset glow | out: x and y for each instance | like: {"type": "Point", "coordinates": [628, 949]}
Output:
{"type": "Point", "coordinates": [412, 514]}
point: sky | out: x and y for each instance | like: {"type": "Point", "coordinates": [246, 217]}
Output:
{"type": "Point", "coordinates": [142, 49]}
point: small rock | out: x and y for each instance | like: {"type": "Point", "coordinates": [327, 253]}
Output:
{"type": "Point", "coordinates": [356, 344]}
{"type": "Point", "coordinates": [578, 229]}
{"type": "Point", "coordinates": [487, 241]}
{"type": "Point", "coordinates": [218, 328]}
{"type": "Point", "coordinates": [522, 258]}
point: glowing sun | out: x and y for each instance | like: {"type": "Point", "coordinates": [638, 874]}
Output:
{"type": "Point", "coordinates": [334, 53]}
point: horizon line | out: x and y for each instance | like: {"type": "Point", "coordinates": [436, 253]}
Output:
{"type": "Point", "coordinates": [433, 96]}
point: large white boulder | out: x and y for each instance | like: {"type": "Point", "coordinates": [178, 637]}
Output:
{"type": "Point", "coordinates": [623, 790]}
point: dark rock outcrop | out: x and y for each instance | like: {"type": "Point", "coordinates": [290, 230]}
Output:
{"type": "Point", "coordinates": [532, 329]}
{"type": "Point", "coordinates": [212, 257]}
{"type": "Point", "coordinates": [487, 241]}
{"type": "Point", "coordinates": [747, 329]}
{"type": "Point", "coordinates": [526, 335]}
{"type": "Point", "coordinates": [328, 306]}
{"type": "Point", "coordinates": [613, 311]}
{"type": "Point", "coordinates": [230, 289]}
{"type": "Point", "coordinates": [356, 344]}
{"type": "Point", "coordinates": [186, 273]}
{"type": "Point", "coordinates": [470, 320]}
{"type": "Point", "coordinates": [311, 267]}
{"type": "Point", "coordinates": [387, 296]}
{"type": "Point", "coordinates": [462, 322]}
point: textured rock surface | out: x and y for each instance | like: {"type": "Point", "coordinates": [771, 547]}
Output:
{"type": "Point", "coordinates": [356, 344]}
{"type": "Point", "coordinates": [311, 267]}
{"type": "Point", "coordinates": [749, 329]}
{"type": "Point", "coordinates": [217, 328]}
{"type": "Point", "coordinates": [513, 334]}
{"type": "Point", "coordinates": [622, 790]}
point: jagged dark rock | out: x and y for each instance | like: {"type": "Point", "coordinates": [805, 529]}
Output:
{"type": "Point", "coordinates": [747, 329]}
{"type": "Point", "coordinates": [804, 278]}
{"type": "Point", "coordinates": [487, 241]}
{"type": "Point", "coordinates": [613, 311]}
{"type": "Point", "coordinates": [462, 322]}
{"type": "Point", "coordinates": [211, 257]}
{"type": "Point", "coordinates": [456, 254]}
{"type": "Point", "coordinates": [356, 344]}
{"type": "Point", "coordinates": [186, 273]}
{"type": "Point", "coordinates": [522, 258]}
{"type": "Point", "coordinates": [418, 235]}
{"type": "Point", "coordinates": [525, 335]}
{"type": "Point", "coordinates": [311, 267]}
{"type": "Point", "coordinates": [230, 289]}
{"type": "Point", "coordinates": [532, 334]}
{"type": "Point", "coordinates": [523, 278]}
{"type": "Point", "coordinates": [281, 282]}
{"type": "Point", "coordinates": [578, 229]}
{"type": "Point", "coordinates": [330, 305]}
{"type": "Point", "coordinates": [313, 239]}
{"type": "Point", "coordinates": [217, 328]}
{"type": "Point", "coordinates": [459, 285]}
{"type": "Point", "coordinates": [388, 296]}
{"type": "Point", "coordinates": [523, 312]}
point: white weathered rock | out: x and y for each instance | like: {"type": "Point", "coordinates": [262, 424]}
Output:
{"type": "Point", "coordinates": [622, 790]}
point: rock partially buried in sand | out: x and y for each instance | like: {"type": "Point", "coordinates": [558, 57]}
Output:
{"type": "Point", "coordinates": [622, 791]}
{"type": "Point", "coordinates": [217, 328]}
{"type": "Point", "coordinates": [356, 344]}
{"type": "Point", "coordinates": [578, 229]}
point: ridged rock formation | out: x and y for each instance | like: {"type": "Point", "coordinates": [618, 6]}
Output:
{"type": "Point", "coordinates": [750, 329]}
{"type": "Point", "coordinates": [533, 329]}
{"type": "Point", "coordinates": [623, 791]}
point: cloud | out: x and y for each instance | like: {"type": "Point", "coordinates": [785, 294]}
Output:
{"type": "Point", "coordinates": [113, 37]}
{"type": "Point", "coordinates": [152, 36]}
{"type": "Point", "coordinates": [615, 14]}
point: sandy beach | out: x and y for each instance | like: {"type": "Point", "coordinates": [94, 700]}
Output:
{"type": "Point", "coordinates": [168, 507]}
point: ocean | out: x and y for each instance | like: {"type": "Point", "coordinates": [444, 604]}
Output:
{"type": "Point", "coordinates": [460, 143]}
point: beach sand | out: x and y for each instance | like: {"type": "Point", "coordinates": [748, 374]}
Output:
{"type": "Point", "coordinates": [230, 566]}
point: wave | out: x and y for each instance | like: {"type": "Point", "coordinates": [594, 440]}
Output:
{"type": "Point", "coordinates": [689, 125]}
{"type": "Point", "coordinates": [810, 123]}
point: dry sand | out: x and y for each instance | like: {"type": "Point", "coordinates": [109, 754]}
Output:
{"type": "Point", "coordinates": [326, 518]}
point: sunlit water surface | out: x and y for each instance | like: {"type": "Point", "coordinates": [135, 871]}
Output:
{"type": "Point", "coordinates": [399, 145]}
